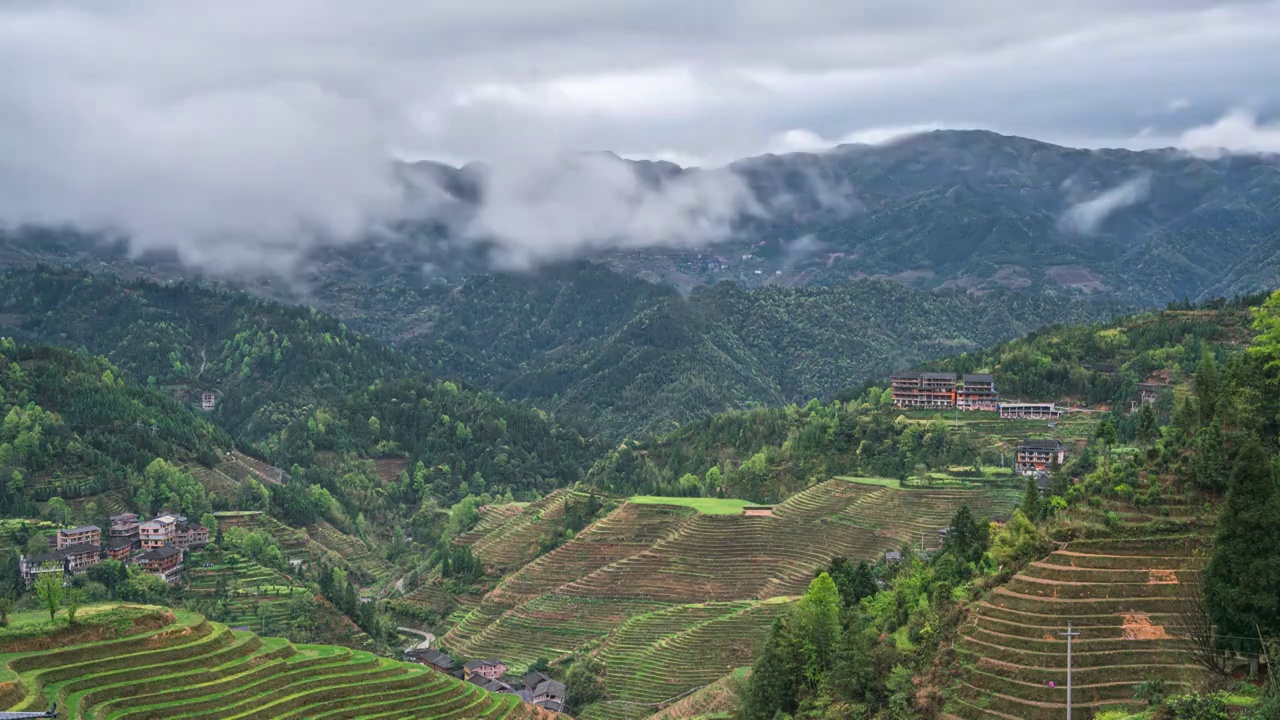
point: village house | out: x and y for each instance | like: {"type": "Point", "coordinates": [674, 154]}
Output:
{"type": "Point", "coordinates": [125, 526]}
{"type": "Point", "coordinates": [164, 562]}
{"type": "Point", "coordinates": [207, 401]}
{"type": "Point", "coordinates": [1029, 411]}
{"type": "Point", "coordinates": [491, 669]}
{"type": "Point", "coordinates": [977, 392]}
{"type": "Point", "coordinates": [188, 536]}
{"type": "Point", "coordinates": [1035, 457]}
{"type": "Point", "coordinates": [158, 532]}
{"type": "Point", "coordinates": [923, 389]}
{"type": "Point", "coordinates": [83, 535]}
{"type": "Point", "coordinates": [81, 557]}
{"type": "Point", "coordinates": [119, 548]}
{"type": "Point", "coordinates": [544, 691]}
{"type": "Point", "coordinates": [433, 659]}
{"type": "Point", "coordinates": [36, 565]}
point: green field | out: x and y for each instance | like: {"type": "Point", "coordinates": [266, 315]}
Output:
{"type": "Point", "coordinates": [706, 506]}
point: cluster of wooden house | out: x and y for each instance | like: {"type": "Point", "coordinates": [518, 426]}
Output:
{"type": "Point", "coordinates": [535, 688]}
{"type": "Point", "coordinates": [156, 546]}
{"type": "Point", "coordinates": [912, 389]}
{"type": "Point", "coordinates": [945, 390]}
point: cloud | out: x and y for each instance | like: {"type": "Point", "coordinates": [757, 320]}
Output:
{"type": "Point", "coordinates": [243, 134]}
{"type": "Point", "coordinates": [545, 211]}
{"type": "Point", "coordinates": [1086, 218]}
{"type": "Point", "coordinates": [1236, 132]}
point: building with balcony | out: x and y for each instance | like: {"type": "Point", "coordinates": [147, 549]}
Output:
{"type": "Point", "coordinates": [1036, 457]}
{"type": "Point", "coordinates": [124, 526]}
{"type": "Point", "coordinates": [163, 562]}
{"type": "Point", "coordinates": [191, 536]}
{"type": "Point", "coordinates": [83, 535]}
{"type": "Point", "coordinates": [923, 389]}
{"type": "Point", "coordinates": [1029, 411]}
{"type": "Point", "coordinates": [977, 392]}
{"type": "Point", "coordinates": [158, 532]}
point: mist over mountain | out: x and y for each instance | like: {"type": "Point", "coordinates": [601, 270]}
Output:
{"type": "Point", "coordinates": [968, 211]}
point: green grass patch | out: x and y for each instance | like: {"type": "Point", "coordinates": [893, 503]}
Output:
{"type": "Point", "coordinates": [894, 483]}
{"type": "Point", "coordinates": [706, 506]}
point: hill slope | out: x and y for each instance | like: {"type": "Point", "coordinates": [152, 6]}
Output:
{"type": "Point", "coordinates": [137, 662]}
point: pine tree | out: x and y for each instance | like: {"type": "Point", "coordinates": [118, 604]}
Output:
{"type": "Point", "coordinates": [1032, 503]}
{"type": "Point", "coordinates": [1242, 580]}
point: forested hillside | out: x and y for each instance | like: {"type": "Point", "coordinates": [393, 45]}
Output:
{"type": "Point", "coordinates": [625, 357]}
{"type": "Point", "coordinates": [73, 427]}
{"type": "Point", "coordinates": [263, 360]}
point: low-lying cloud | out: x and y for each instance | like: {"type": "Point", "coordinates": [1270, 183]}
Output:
{"type": "Point", "coordinates": [242, 135]}
{"type": "Point", "coordinates": [1086, 218]}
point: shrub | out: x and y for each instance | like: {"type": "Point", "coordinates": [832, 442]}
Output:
{"type": "Point", "coordinates": [1194, 707]}
{"type": "Point", "coordinates": [1152, 692]}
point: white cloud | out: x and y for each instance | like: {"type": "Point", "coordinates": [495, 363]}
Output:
{"type": "Point", "coordinates": [1237, 131]}
{"type": "Point", "coordinates": [241, 133]}
{"type": "Point", "coordinates": [1086, 218]}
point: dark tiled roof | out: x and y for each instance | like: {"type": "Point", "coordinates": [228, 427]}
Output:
{"type": "Point", "coordinates": [906, 375]}
{"type": "Point", "coordinates": [938, 376]}
{"type": "Point", "coordinates": [55, 556]}
{"type": "Point", "coordinates": [117, 543]}
{"type": "Point", "coordinates": [979, 378]}
{"type": "Point", "coordinates": [432, 656]}
{"type": "Point", "coordinates": [81, 548]}
{"type": "Point", "coordinates": [550, 687]}
{"type": "Point", "coordinates": [533, 679]}
{"type": "Point", "coordinates": [81, 529]}
{"type": "Point", "coordinates": [553, 706]}
{"type": "Point", "coordinates": [1040, 444]}
{"type": "Point", "coordinates": [160, 553]}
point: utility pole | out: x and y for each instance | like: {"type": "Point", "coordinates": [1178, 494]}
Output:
{"type": "Point", "coordinates": [1070, 634]}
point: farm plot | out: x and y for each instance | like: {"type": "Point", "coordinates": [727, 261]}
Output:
{"type": "Point", "coordinates": [649, 559]}
{"type": "Point", "coordinates": [1123, 598]}
{"type": "Point", "coordinates": [658, 656]}
{"type": "Point", "coordinates": [176, 664]}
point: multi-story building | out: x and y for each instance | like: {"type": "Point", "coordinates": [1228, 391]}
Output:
{"type": "Point", "coordinates": [35, 565]}
{"type": "Point", "coordinates": [125, 526]}
{"type": "Point", "coordinates": [189, 535]}
{"type": "Point", "coordinates": [119, 548]}
{"type": "Point", "coordinates": [81, 557]}
{"type": "Point", "coordinates": [977, 392]}
{"type": "Point", "coordinates": [924, 389]}
{"type": "Point", "coordinates": [83, 535]}
{"type": "Point", "coordinates": [164, 562]}
{"type": "Point", "coordinates": [1035, 457]}
{"type": "Point", "coordinates": [1029, 411]}
{"type": "Point", "coordinates": [158, 532]}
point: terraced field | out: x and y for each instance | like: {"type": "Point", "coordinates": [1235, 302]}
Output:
{"type": "Point", "coordinates": [1121, 595]}
{"type": "Point", "coordinates": [514, 539]}
{"type": "Point", "coordinates": [708, 641]}
{"type": "Point", "coordinates": [621, 578]}
{"type": "Point", "coordinates": [370, 567]}
{"type": "Point", "coordinates": [175, 664]}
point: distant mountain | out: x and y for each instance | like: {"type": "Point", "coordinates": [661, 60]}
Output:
{"type": "Point", "coordinates": [976, 211]}
{"type": "Point", "coordinates": [967, 211]}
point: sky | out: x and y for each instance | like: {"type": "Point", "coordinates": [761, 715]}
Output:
{"type": "Point", "coordinates": [240, 130]}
